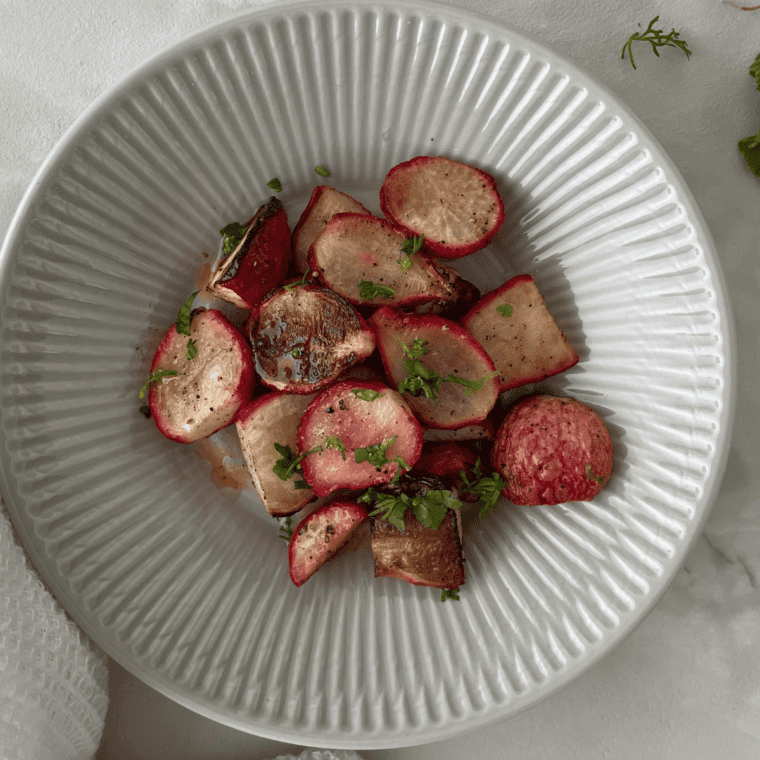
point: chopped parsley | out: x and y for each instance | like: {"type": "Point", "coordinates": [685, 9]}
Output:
{"type": "Point", "coordinates": [321, 171]}
{"type": "Point", "coordinates": [335, 443]}
{"type": "Point", "coordinates": [375, 454]}
{"type": "Point", "coordinates": [192, 349]}
{"type": "Point", "coordinates": [591, 476]}
{"type": "Point", "coordinates": [430, 509]}
{"type": "Point", "coordinates": [656, 39]}
{"type": "Point", "coordinates": [366, 394]}
{"type": "Point", "coordinates": [411, 246]}
{"type": "Point", "coordinates": [749, 147]}
{"type": "Point", "coordinates": [450, 593]}
{"type": "Point", "coordinates": [185, 315]}
{"type": "Point", "coordinates": [289, 463]}
{"type": "Point", "coordinates": [487, 489]}
{"type": "Point", "coordinates": [157, 376]}
{"type": "Point", "coordinates": [286, 528]}
{"type": "Point", "coordinates": [505, 310]}
{"type": "Point", "coordinates": [232, 234]}
{"type": "Point", "coordinates": [298, 284]}
{"type": "Point", "coordinates": [297, 352]}
{"type": "Point", "coordinates": [369, 290]}
{"type": "Point", "coordinates": [275, 184]}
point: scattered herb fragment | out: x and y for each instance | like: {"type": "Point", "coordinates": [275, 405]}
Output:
{"type": "Point", "coordinates": [375, 454]}
{"type": "Point", "coordinates": [286, 528]}
{"type": "Point", "coordinates": [298, 284]}
{"type": "Point", "coordinates": [656, 39]}
{"type": "Point", "coordinates": [232, 234]}
{"type": "Point", "coordinates": [366, 394]}
{"type": "Point", "coordinates": [184, 317]}
{"type": "Point", "coordinates": [192, 349]}
{"type": "Point", "coordinates": [369, 290]}
{"type": "Point", "coordinates": [290, 462]}
{"type": "Point", "coordinates": [505, 310]}
{"type": "Point", "coordinates": [450, 593]}
{"type": "Point", "coordinates": [749, 147]}
{"type": "Point", "coordinates": [335, 443]}
{"type": "Point", "coordinates": [430, 509]}
{"type": "Point", "coordinates": [157, 376]}
{"type": "Point", "coordinates": [275, 184]}
{"type": "Point", "coordinates": [470, 386]}
{"type": "Point", "coordinates": [296, 352]}
{"type": "Point", "coordinates": [411, 246]}
{"type": "Point", "coordinates": [487, 489]}
{"type": "Point", "coordinates": [321, 171]}
{"type": "Point", "coordinates": [591, 476]}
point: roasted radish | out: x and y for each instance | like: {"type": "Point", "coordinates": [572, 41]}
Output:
{"type": "Point", "coordinates": [517, 331]}
{"type": "Point", "coordinates": [202, 378]}
{"type": "Point", "coordinates": [259, 258]}
{"type": "Point", "coordinates": [268, 429]}
{"type": "Point", "coordinates": [446, 460]}
{"type": "Point", "coordinates": [477, 432]}
{"type": "Point", "coordinates": [304, 336]}
{"type": "Point", "coordinates": [320, 535]}
{"type": "Point", "coordinates": [456, 207]}
{"type": "Point", "coordinates": [355, 435]}
{"type": "Point", "coordinates": [366, 261]}
{"type": "Point", "coordinates": [551, 450]}
{"type": "Point", "coordinates": [443, 372]}
{"type": "Point", "coordinates": [324, 203]}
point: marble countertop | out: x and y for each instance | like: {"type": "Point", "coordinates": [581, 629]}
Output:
{"type": "Point", "coordinates": [686, 683]}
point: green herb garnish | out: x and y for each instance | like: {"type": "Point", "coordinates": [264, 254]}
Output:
{"type": "Point", "coordinates": [470, 386]}
{"type": "Point", "coordinates": [321, 171]}
{"type": "Point", "coordinates": [411, 246]}
{"type": "Point", "coordinates": [369, 290]}
{"type": "Point", "coordinates": [335, 443]}
{"type": "Point", "coordinates": [450, 593]}
{"type": "Point", "coordinates": [232, 234]}
{"type": "Point", "coordinates": [749, 147]}
{"type": "Point", "coordinates": [157, 376]}
{"type": "Point", "coordinates": [298, 284]}
{"type": "Point", "coordinates": [290, 462]}
{"type": "Point", "coordinates": [591, 476]}
{"type": "Point", "coordinates": [286, 528]}
{"type": "Point", "coordinates": [656, 39]}
{"type": "Point", "coordinates": [185, 315]}
{"type": "Point", "coordinates": [297, 352]}
{"type": "Point", "coordinates": [430, 509]}
{"type": "Point", "coordinates": [275, 184]}
{"type": "Point", "coordinates": [192, 349]}
{"type": "Point", "coordinates": [366, 394]}
{"type": "Point", "coordinates": [375, 454]}
{"type": "Point", "coordinates": [505, 310]}
{"type": "Point", "coordinates": [487, 489]}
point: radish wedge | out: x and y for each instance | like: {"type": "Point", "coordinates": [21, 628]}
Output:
{"type": "Point", "coordinates": [259, 261]}
{"type": "Point", "coordinates": [514, 326]}
{"type": "Point", "coordinates": [268, 420]}
{"type": "Point", "coordinates": [455, 206]}
{"type": "Point", "coordinates": [360, 434]}
{"type": "Point", "coordinates": [461, 387]}
{"type": "Point", "coordinates": [207, 391]}
{"type": "Point", "coordinates": [324, 203]}
{"type": "Point", "coordinates": [304, 336]}
{"type": "Point", "coordinates": [320, 535]}
{"type": "Point", "coordinates": [361, 257]}
{"type": "Point", "coordinates": [552, 450]}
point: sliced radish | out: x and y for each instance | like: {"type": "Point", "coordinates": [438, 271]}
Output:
{"type": "Point", "coordinates": [455, 206]}
{"type": "Point", "coordinates": [514, 326]}
{"type": "Point", "coordinates": [479, 431]}
{"type": "Point", "coordinates": [304, 336]}
{"type": "Point", "coordinates": [361, 257]}
{"type": "Point", "coordinates": [259, 261]}
{"type": "Point", "coordinates": [551, 450]}
{"type": "Point", "coordinates": [320, 535]}
{"type": "Point", "coordinates": [268, 420]}
{"type": "Point", "coordinates": [205, 392]}
{"type": "Point", "coordinates": [457, 384]}
{"type": "Point", "coordinates": [324, 203]}
{"type": "Point", "coordinates": [360, 433]}
{"type": "Point", "coordinates": [446, 460]}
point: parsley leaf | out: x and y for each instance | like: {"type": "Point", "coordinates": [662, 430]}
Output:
{"type": "Point", "coordinates": [157, 376]}
{"type": "Point", "coordinates": [286, 528]}
{"type": "Point", "coordinates": [430, 509]}
{"type": "Point", "coordinates": [505, 310]}
{"type": "Point", "coordinates": [335, 443]}
{"type": "Point", "coordinates": [450, 593]}
{"type": "Point", "coordinates": [184, 317]}
{"type": "Point", "coordinates": [369, 290]}
{"type": "Point", "coordinates": [298, 284]}
{"type": "Point", "coordinates": [321, 171]}
{"type": "Point", "coordinates": [192, 349]}
{"type": "Point", "coordinates": [470, 386]}
{"type": "Point", "coordinates": [656, 39]}
{"type": "Point", "coordinates": [591, 476]}
{"type": "Point", "coordinates": [366, 394]}
{"type": "Point", "coordinates": [232, 234]}
{"type": "Point", "coordinates": [411, 246]}
{"type": "Point", "coordinates": [487, 489]}
{"type": "Point", "coordinates": [375, 454]}
{"type": "Point", "coordinates": [275, 184]}
{"type": "Point", "coordinates": [290, 463]}
{"type": "Point", "coordinates": [749, 147]}
{"type": "Point", "coordinates": [387, 507]}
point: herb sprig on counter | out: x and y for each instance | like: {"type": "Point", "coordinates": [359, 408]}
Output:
{"type": "Point", "coordinates": [656, 39]}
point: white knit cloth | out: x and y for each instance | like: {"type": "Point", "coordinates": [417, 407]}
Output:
{"type": "Point", "coordinates": [53, 680]}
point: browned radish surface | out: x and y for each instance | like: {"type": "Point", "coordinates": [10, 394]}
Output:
{"type": "Point", "coordinates": [207, 390]}
{"type": "Point", "coordinates": [514, 326]}
{"type": "Point", "coordinates": [303, 337]}
{"type": "Point", "coordinates": [361, 433]}
{"type": "Point", "coordinates": [260, 260]}
{"type": "Point", "coordinates": [320, 535]}
{"type": "Point", "coordinates": [466, 388]}
{"type": "Point", "coordinates": [268, 420]}
{"type": "Point", "coordinates": [552, 450]}
{"type": "Point", "coordinates": [455, 206]}
{"type": "Point", "coordinates": [477, 432]}
{"type": "Point", "coordinates": [360, 257]}
{"type": "Point", "coordinates": [446, 460]}
{"type": "Point", "coordinates": [324, 203]}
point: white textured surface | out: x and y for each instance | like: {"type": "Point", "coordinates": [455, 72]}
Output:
{"type": "Point", "coordinates": [691, 106]}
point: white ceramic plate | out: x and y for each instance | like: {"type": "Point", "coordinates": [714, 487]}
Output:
{"type": "Point", "coordinates": [185, 583]}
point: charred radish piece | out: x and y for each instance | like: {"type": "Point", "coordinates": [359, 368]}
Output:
{"type": "Point", "coordinates": [408, 545]}
{"type": "Point", "coordinates": [551, 450]}
{"type": "Point", "coordinates": [324, 203]}
{"type": "Point", "coordinates": [517, 331]}
{"type": "Point", "coordinates": [362, 258]}
{"type": "Point", "coordinates": [359, 434]}
{"type": "Point", "coordinates": [204, 393]}
{"type": "Point", "coordinates": [455, 206]}
{"type": "Point", "coordinates": [320, 535]}
{"type": "Point", "coordinates": [304, 336]}
{"type": "Point", "coordinates": [268, 429]}
{"type": "Point", "coordinates": [259, 258]}
{"type": "Point", "coordinates": [443, 372]}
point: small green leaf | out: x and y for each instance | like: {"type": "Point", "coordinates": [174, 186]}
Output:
{"type": "Point", "coordinates": [275, 184]}
{"type": "Point", "coordinates": [369, 290]}
{"type": "Point", "coordinates": [321, 171]}
{"type": "Point", "coordinates": [192, 349]}
{"type": "Point", "coordinates": [374, 454]}
{"type": "Point", "coordinates": [656, 39]}
{"type": "Point", "coordinates": [471, 386]}
{"type": "Point", "coordinates": [450, 593]}
{"type": "Point", "coordinates": [411, 246]}
{"type": "Point", "coordinates": [289, 462]}
{"type": "Point", "coordinates": [298, 284]}
{"type": "Point", "coordinates": [297, 352]}
{"type": "Point", "coordinates": [185, 315]}
{"type": "Point", "coordinates": [591, 476]}
{"type": "Point", "coordinates": [232, 234]}
{"type": "Point", "coordinates": [366, 394]}
{"type": "Point", "coordinates": [335, 443]}
{"type": "Point", "coordinates": [487, 488]}
{"type": "Point", "coordinates": [157, 376]}
{"type": "Point", "coordinates": [505, 310]}
{"type": "Point", "coordinates": [286, 528]}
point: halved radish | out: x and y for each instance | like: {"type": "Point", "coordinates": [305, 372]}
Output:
{"type": "Point", "coordinates": [320, 535]}
{"type": "Point", "coordinates": [324, 203]}
{"type": "Point", "coordinates": [304, 336]}
{"type": "Point", "coordinates": [361, 257]}
{"type": "Point", "coordinates": [516, 329]}
{"type": "Point", "coordinates": [360, 433]}
{"type": "Point", "coordinates": [262, 425]}
{"type": "Point", "coordinates": [444, 373]}
{"type": "Point", "coordinates": [205, 392]}
{"type": "Point", "coordinates": [551, 450]}
{"type": "Point", "coordinates": [259, 261]}
{"type": "Point", "coordinates": [446, 460]}
{"type": "Point", "coordinates": [455, 206]}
